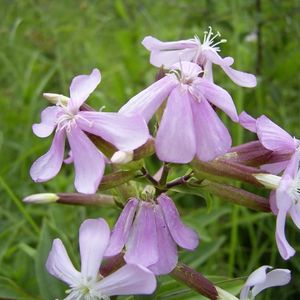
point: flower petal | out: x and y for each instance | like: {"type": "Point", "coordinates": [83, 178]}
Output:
{"type": "Point", "coordinates": [285, 249]}
{"type": "Point", "coordinates": [295, 214]}
{"type": "Point", "coordinates": [167, 249]}
{"type": "Point", "coordinates": [274, 168]}
{"type": "Point", "coordinates": [89, 162]}
{"type": "Point", "coordinates": [184, 236]}
{"type": "Point", "coordinates": [247, 121]}
{"type": "Point", "coordinates": [93, 240]}
{"type": "Point", "coordinates": [212, 56]}
{"type": "Point", "coordinates": [120, 233]}
{"type": "Point", "coordinates": [48, 165]}
{"type": "Point", "coordinates": [272, 200]}
{"type": "Point", "coordinates": [217, 96]}
{"type": "Point", "coordinates": [240, 78]}
{"type": "Point", "coordinates": [125, 132]}
{"type": "Point", "coordinates": [277, 277]}
{"type": "Point", "coordinates": [175, 139]}
{"type": "Point", "coordinates": [168, 53]}
{"type": "Point", "coordinates": [128, 280]}
{"type": "Point", "coordinates": [48, 122]}
{"type": "Point", "coordinates": [81, 87]}
{"type": "Point", "coordinates": [273, 137]}
{"type": "Point", "coordinates": [142, 247]}
{"type": "Point", "coordinates": [59, 265]}
{"type": "Point", "coordinates": [212, 137]}
{"type": "Point", "coordinates": [149, 100]}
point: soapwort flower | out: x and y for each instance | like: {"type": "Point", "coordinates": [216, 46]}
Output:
{"type": "Point", "coordinates": [150, 232]}
{"type": "Point", "coordinates": [89, 284]}
{"type": "Point", "coordinates": [189, 125]}
{"type": "Point", "coordinates": [285, 200]}
{"type": "Point", "coordinates": [203, 53]}
{"type": "Point", "coordinates": [66, 118]}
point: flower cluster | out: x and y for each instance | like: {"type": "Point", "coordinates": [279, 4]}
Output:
{"type": "Point", "coordinates": [185, 101]}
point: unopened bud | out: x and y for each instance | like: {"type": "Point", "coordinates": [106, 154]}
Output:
{"type": "Point", "coordinates": [268, 180]}
{"type": "Point", "coordinates": [56, 98]}
{"type": "Point", "coordinates": [41, 198]}
{"type": "Point", "coordinates": [122, 157]}
{"type": "Point", "coordinates": [224, 295]}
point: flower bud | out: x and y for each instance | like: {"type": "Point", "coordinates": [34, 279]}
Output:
{"type": "Point", "coordinates": [122, 157]}
{"type": "Point", "coordinates": [56, 98]}
{"type": "Point", "coordinates": [41, 198]}
{"type": "Point", "coordinates": [224, 295]}
{"type": "Point", "coordinates": [268, 180]}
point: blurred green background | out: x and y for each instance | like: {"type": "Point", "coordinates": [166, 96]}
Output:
{"type": "Point", "coordinates": [44, 44]}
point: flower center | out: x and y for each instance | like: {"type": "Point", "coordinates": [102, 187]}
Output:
{"type": "Point", "coordinates": [66, 121]}
{"type": "Point", "coordinates": [209, 40]}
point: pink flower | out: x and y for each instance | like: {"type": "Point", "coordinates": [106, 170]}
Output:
{"type": "Point", "coordinates": [260, 280]}
{"type": "Point", "coordinates": [189, 124]}
{"type": "Point", "coordinates": [126, 133]}
{"type": "Point", "coordinates": [89, 284]}
{"type": "Point", "coordinates": [150, 233]}
{"type": "Point", "coordinates": [272, 138]}
{"type": "Point", "coordinates": [205, 54]}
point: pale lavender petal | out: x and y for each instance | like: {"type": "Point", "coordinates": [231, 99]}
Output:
{"type": "Point", "coordinates": [212, 137]}
{"type": "Point", "coordinates": [277, 277]}
{"type": "Point", "coordinates": [208, 72]}
{"type": "Point", "coordinates": [247, 121]}
{"type": "Point", "coordinates": [188, 69]}
{"type": "Point", "coordinates": [142, 247]}
{"type": "Point", "coordinates": [273, 204]}
{"type": "Point", "coordinates": [128, 280]}
{"type": "Point", "coordinates": [120, 233]}
{"type": "Point", "coordinates": [59, 265]}
{"type": "Point", "coordinates": [89, 162]}
{"type": "Point", "coordinates": [167, 249]}
{"type": "Point", "coordinates": [125, 132]}
{"type": "Point", "coordinates": [48, 122]}
{"type": "Point", "coordinates": [212, 56]}
{"type": "Point", "coordinates": [48, 165]}
{"type": "Point", "coordinates": [175, 139]}
{"type": "Point", "coordinates": [151, 43]}
{"type": "Point", "coordinates": [215, 95]}
{"type": "Point", "coordinates": [273, 137]}
{"type": "Point", "coordinates": [274, 168]}
{"type": "Point", "coordinates": [149, 100]}
{"type": "Point", "coordinates": [292, 166]}
{"type": "Point", "coordinates": [184, 236]}
{"type": "Point", "coordinates": [256, 277]}
{"type": "Point", "coordinates": [285, 249]}
{"type": "Point", "coordinates": [168, 53]}
{"type": "Point", "coordinates": [93, 240]}
{"type": "Point", "coordinates": [240, 78]}
{"type": "Point", "coordinates": [81, 87]}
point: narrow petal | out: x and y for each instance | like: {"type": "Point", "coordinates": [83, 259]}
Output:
{"type": "Point", "coordinates": [48, 122]}
{"type": "Point", "coordinates": [59, 265]}
{"type": "Point", "coordinates": [240, 78]}
{"type": "Point", "coordinates": [167, 248]}
{"type": "Point", "coordinates": [128, 280]}
{"type": "Point", "coordinates": [151, 43]}
{"type": "Point", "coordinates": [247, 121]}
{"type": "Point", "coordinates": [285, 249]}
{"type": "Point", "coordinates": [89, 162]}
{"type": "Point", "coordinates": [212, 137]}
{"type": "Point", "coordinates": [274, 168]}
{"type": "Point", "coordinates": [256, 277]}
{"type": "Point", "coordinates": [149, 100]}
{"type": "Point", "coordinates": [125, 132]}
{"type": "Point", "coordinates": [295, 214]}
{"type": "Point", "coordinates": [273, 137]}
{"type": "Point", "coordinates": [81, 87]}
{"type": "Point", "coordinates": [142, 247]}
{"type": "Point", "coordinates": [215, 58]}
{"type": "Point", "coordinates": [272, 200]}
{"type": "Point", "coordinates": [184, 236]}
{"type": "Point", "coordinates": [48, 165]}
{"type": "Point", "coordinates": [217, 96]}
{"type": "Point", "coordinates": [175, 139]}
{"type": "Point", "coordinates": [93, 240]}
{"type": "Point", "coordinates": [277, 277]}
{"type": "Point", "coordinates": [120, 233]}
